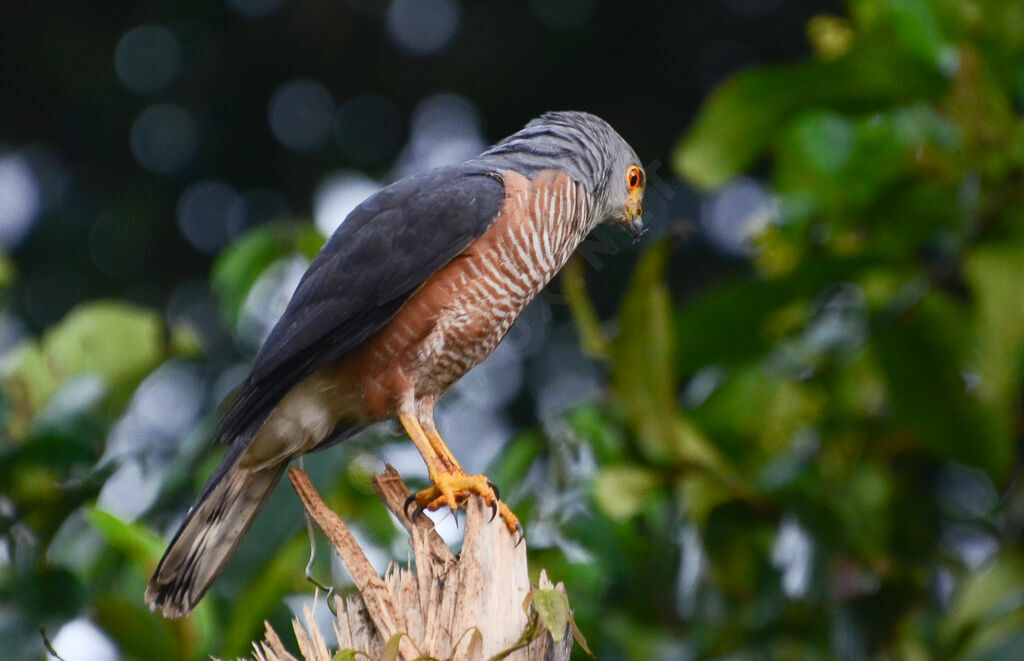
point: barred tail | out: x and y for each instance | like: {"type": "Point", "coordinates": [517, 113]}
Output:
{"type": "Point", "coordinates": [208, 537]}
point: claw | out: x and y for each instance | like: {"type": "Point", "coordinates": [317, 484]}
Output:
{"type": "Point", "coordinates": [521, 533]}
{"type": "Point", "coordinates": [494, 488]}
{"type": "Point", "coordinates": [494, 510]}
{"type": "Point", "coordinates": [408, 501]}
{"type": "Point", "coordinates": [416, 513]}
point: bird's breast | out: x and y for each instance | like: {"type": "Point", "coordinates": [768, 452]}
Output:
{"type": "Point", "coordinates": [458, 316]}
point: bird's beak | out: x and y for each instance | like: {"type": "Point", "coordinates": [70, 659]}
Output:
{"type": "Point", "coordinates": [634, 218]}
{"type": "Point", "coordinates": [636, 228]}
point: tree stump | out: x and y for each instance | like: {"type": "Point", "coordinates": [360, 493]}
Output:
{"type": "Point", "coordinates": [469, 607]}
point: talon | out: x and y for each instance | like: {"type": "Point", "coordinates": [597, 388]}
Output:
{"type": "Point", "coordinates": [452, 491]}
{"type": "Point", "coordinates": [408, 501]}
{"type": "Point", "coordinates": [416, 513]}
{"type": "Point", "coordinates": [521, 533]}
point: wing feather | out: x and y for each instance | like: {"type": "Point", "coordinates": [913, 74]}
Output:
{"type": "Point", "coordinates": [383, 251]}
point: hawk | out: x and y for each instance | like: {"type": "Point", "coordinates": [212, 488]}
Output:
{"type": "Point", "coordinates": [416, 286]}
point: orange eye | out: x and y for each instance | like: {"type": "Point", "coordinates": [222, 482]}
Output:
{"type": "Point", "coordinates": [633, 177]}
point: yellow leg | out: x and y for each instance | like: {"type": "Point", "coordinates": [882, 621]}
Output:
{"type": "Point", "coordinates": [435, 468]}
{"type": "Point", "coordinates": [441, 450]}
{"type": "Point", "coordinates": [451, 484]}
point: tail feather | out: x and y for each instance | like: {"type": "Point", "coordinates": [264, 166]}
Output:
{"type": "Point", "coordinates": [211, 532]}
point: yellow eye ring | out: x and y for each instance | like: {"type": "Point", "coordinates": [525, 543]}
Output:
{"type": "Point", "coordinates": [633, 177]}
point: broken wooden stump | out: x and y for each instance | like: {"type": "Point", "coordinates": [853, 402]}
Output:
{"type": "Point", "coordinates": [470, 607]}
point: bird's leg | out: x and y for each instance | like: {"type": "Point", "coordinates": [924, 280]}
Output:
{"type": "Point", "coordinates": [436, 466]}
{"type": "Point", "coordinates": [442, 451]}
{"type": "Point", "coordinates": [451, 484]}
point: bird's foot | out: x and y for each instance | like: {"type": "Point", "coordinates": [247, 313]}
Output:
{"type": "Point", "coordinates": [452, 490]}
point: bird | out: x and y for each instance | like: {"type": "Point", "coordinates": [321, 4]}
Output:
{"type": "Point", "coordinates": [417, 285]}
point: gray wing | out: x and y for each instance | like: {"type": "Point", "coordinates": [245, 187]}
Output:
{"type": "Point", "coordinates": [383, 251]}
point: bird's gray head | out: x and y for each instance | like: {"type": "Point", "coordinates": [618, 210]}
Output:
{"type": "Point", "coordinates": [590, 151]}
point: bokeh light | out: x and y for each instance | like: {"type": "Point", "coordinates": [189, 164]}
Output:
{"type": "Point", "coordinates": [147, 58]}
{"type": "Point", "coordinates": [337, 195]}
{"type": "Point", "coordinates": [80, 394]}
{"type": "Point", "coordinates": [423, 27]}
{"type": "Point", "coordinates": [971, 545]}
{"type": "Point", "coordinates": [163, 410]}
{"type": "Point", "coordinates": [965, 492]}
{"type": "Point", "coordinates": [445, 129]}
{"type": "Point", "coordinates": [20, 199]}
{"type": "Point", "coordinates": [734, 215]}
{"type": "Point", "coordinates": [209, 215]}
{"type": "Point", "coordinates": [792, 554]}
{"type": "Point", "coordinates": [164, 138]}
{"type": "Point", "coordinates": [692, 567]}
{"type": "Point", "coordinates": [81, 640]}
{"type": "Point", "coordinates": [12, 331]}
{"type": "Point", "coordinates": [301, 113]}
{"type": "Point", "coordinates": [268, 299]}
{"type": "Point", "coordinates": [144, 441]}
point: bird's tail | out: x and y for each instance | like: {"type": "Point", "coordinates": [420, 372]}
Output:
{"type": "Point", "coordinates": [211, 532]}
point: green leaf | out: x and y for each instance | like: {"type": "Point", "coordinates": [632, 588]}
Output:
{"type": "Point", "coordinates": [240, 265]}
{"type": "Point", "coordinates": [390, 651]}
{"type": "Point", "coordinates": [578, 636]}
{"type": "Point", "coordinates": [701, 494]}
{"type": "Point", "coordinates": [553, 609]}
{"type": "Point", "coordinates": [264, 593]}
{"type": "Point", "coordinates": [516, 458]}
{"type": "Point", "coordinates": [347, 654]}
{"type": "Point", "coordinates": [144, 549]}
{"type": "Point", "coordinates": [743, 116]}
{"type": "Point", "coordinates": [995, 274]}
{"type": "Point", "coordinates": [825, 140]}
{"type": "Point", "coordinates": [138, 633]}
{"type": "Point", "coordinates": [7, 272]}
{"type": "Point", "coordinates": [756, 404]}
{"type": "Point", "coordinates": [922, 358]}
{"type": "Point", "coordinates": [131, 539]}
{"type": "Point", "coordinates": [604, 436]}
{"type": "Point", "coordinates": [986, 612]}
{"type": "Point", "coordinates": [115, 341]}
{"type": "Point", "coordinates": [642, 372]}
{"type": "Point", "coordinates": [574, 286]}
{"type": "Point", "coordinates": [917, 28]}
{"type": "Point", "coordinates": [620, 491]}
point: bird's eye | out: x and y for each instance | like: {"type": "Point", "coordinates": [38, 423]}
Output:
{"type": "Point", "coordinates": [633, 177]}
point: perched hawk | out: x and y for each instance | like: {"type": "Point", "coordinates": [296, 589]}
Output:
{"type": "Point", "coordinates": [417, 285]}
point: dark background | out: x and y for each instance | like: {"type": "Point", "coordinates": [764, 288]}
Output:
{"type": "Point", "coordinates": [645, 69]}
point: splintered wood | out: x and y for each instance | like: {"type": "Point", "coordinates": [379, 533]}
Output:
{"type": "Point", "coordinates": [466, 608]}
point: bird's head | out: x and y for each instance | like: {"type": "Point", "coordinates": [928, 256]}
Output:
{"type": "Point", "coordinates": [590, 151]}
{"type": "Point", "coordinates": [624, 191]}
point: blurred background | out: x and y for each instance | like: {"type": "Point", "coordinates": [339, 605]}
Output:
{"type": "Point", "coordinates": [786, 424]}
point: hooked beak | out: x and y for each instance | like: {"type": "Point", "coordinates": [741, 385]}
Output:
{"type": "Point", "coordinates": [634, 219]}
{"type": "Point", "coordinates": [636, 228]}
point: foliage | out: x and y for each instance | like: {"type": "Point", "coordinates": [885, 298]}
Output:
{"type": "Point", "coordinates": [860, 387]}
{"type": "Point", "coordinates": [816, 457]}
